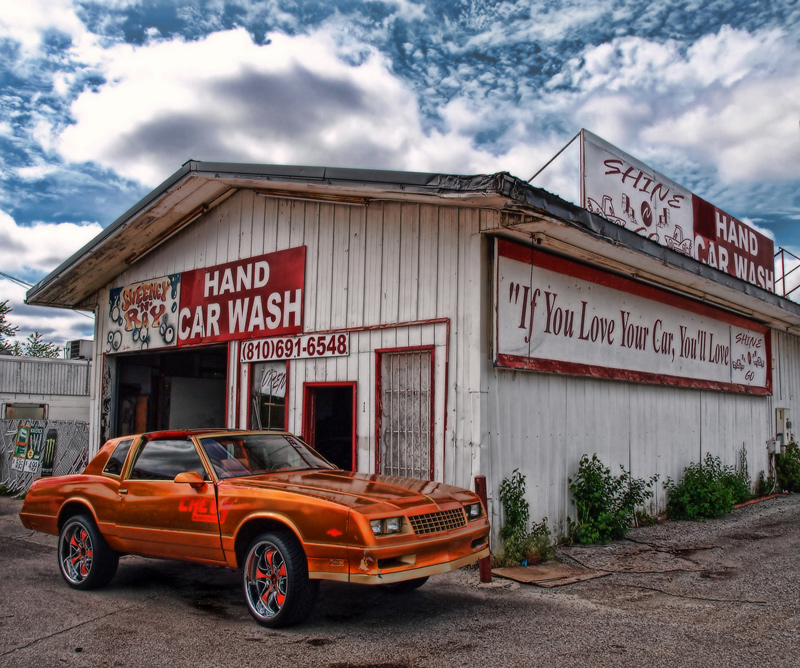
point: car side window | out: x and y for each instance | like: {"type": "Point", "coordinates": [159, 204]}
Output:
{"type": "Point", "coordinates": [164, 459]}
{"type": "Point", "coordinates": [117, 459]}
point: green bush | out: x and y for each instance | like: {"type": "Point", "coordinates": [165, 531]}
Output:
{"type": "Point", "coordinates": [787, 468]}
{"type": "Point", "coordinates": [606, 504]}
{"type": "Point", "coordinates": [519, 545]}
{"type": "Point", "coordinates": [706, 490]}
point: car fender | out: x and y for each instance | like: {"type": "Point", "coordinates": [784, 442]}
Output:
{"type": "Point", "coordinates": [75, 505]}
{"type": "Point", "coordinates": [250, 526]}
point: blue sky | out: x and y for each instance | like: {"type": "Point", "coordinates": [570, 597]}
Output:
{"type": "Point", "coordinates": [100, 101]}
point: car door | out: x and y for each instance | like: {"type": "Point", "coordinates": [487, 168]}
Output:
{"type": "Point", "coordinates": [162, 518]}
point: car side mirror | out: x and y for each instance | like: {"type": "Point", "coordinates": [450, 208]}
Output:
{"type": "Point", "coordinates": [191, 477]}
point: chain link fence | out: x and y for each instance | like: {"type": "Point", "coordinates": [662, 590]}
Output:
{"type": "Point", "coordinates": [70, 438]}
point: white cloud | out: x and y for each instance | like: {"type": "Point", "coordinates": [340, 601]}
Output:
{"type": "Point", "coordinates": [226, 98]}
{"type": "Point", "coordinates": [728, 103]}
{"type": "Point", "coordinates": [296, 100]}
{"type": "Point", "coordinates": [36, 172]}
{"type": "Point", "coordinates": [29, 253]}
{"type": "Point", "coordinates": [26, 22]}
{"type": "Point", "coordinates": [55, 325]}
{"type": "Point", "coordinates": [38, 249]}
{"type": "Point", "coordinates": [408, 10]}
{"type": "Point", "coordinates": [523, 22]}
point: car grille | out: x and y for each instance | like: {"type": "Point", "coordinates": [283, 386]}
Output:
{"type": "Point", "coordinates": [444, 520]}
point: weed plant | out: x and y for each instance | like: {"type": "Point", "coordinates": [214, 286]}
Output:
{"type": "Point", "coordinates": [707, 489]}
{"type": "Point", "coordinates": [765, 484]}
{"type": "Point", "coordinates": [606, 504]}
{"type": "Point", "coordinates": [520, 545]}
{"type": "Point", "coordinates": [787, 468]}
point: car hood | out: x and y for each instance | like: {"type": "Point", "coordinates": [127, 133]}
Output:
{"type": "Point", "coordinates": [355, 490]}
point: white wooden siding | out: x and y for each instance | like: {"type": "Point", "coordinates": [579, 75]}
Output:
{"type": "Point", "coordinates": [367, 266]}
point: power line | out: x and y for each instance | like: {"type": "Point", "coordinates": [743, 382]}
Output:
{"type": "Point", "coordinates": [25, 284]}
{"type": "Point", "coordinates": [18, 281]}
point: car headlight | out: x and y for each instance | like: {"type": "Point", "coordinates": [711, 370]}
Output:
{"type": "Point", "coordinates": [473, 511]}
{"type": "Point", "coordinates": [386, 525]}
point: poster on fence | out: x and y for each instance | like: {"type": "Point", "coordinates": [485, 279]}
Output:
{"type": "Point", "coordinates": [33, 458]}
{"type": "Point", "coordinates": [21, 448]}
{"type": "Point", "coordinates": [49, 456]}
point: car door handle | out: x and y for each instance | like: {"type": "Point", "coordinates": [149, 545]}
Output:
{"type": "Point", "coordinates": [122, 492]}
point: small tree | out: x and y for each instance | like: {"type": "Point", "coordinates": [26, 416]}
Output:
{"type": "Point", "coordinates": [519, 544]}
{"type": "Point", "coordinates": [34, 346]}
{"type": "Point", "coordinates": [7, 330]}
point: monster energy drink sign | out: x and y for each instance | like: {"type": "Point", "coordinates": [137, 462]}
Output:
{"type": "Point", "coordinates": [49, 455]}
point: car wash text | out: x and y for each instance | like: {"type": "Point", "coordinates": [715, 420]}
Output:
{"type": "Point", "coordinates": [256, 297]}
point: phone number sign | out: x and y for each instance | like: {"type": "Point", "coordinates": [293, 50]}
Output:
{"type": "Point", "coordinates": [296, 347]}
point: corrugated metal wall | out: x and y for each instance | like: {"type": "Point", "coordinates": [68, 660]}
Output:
{"type": "Point", "coordinates": [543, 424]}
{"type": "Point", "coordinates": [367, 266]}
{"type": "Point", "coordinates": [30, 375]}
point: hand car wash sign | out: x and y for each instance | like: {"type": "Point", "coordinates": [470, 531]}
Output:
{"type": "Point", "coordinates": [256, 297]}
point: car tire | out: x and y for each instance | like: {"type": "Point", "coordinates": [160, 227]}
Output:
{"type": "Point", "coordinates": [84, 558]}
{"type": "Point", "coordinates": [405, 585]}
{"type": "Point", "coordinates": [277, 588]}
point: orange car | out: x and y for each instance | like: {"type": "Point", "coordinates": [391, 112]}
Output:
{"type": "Point", "coordinates": [264, 502]}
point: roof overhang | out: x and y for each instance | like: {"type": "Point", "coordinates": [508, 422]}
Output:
{"type": "Point", "coordinates": [198, 187]}
{"type": "Point", "coordinates": [544, 219]}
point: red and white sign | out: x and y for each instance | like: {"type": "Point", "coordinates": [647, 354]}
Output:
{"type": "Point", "coordinates": [559, 316]}
{"type": "Point", "coordinates": [631, 194]}
{"type": "Point", "coordinates": [256, 297]}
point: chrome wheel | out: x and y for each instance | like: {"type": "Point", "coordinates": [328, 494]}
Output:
{"type": "Point", "coordinates": [276, 584]}
{"type": "Point", "coordinates": [76, 553]}
{"type": "Point", "coordinates": [84, 558]}
{"type": "Point", "coordinates": [265, 579]}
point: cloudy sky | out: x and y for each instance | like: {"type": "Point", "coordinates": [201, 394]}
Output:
{"type": "Point", "coordinates": [101, 101]}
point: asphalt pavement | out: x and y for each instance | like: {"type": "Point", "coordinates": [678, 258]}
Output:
{"type": "Point", "coordinates": [725, 592]}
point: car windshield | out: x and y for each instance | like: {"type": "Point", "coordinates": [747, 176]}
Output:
{"type": "Point", "coordinates": [238, 455]}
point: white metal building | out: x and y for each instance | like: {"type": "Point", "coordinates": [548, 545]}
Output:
{"type": "Point", "coordinates": [432, 325]}
{"type": "Point", "coordinates": [36, 388]}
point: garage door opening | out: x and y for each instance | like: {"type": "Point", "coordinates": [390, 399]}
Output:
{"type": "Point", "coordinates": [328, 421]}
{"type": "Point", "coordinates": [171, 390]}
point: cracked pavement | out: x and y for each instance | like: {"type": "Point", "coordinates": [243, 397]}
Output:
{"type": "Point", "coordinates": [725, 592]}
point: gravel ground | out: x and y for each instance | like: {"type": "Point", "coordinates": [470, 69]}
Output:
{"type": "Point", "coordinates": [725, 592]}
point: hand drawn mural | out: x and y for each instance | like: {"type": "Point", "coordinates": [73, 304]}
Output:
{"type": "Point", "coordinates": [143, 315]}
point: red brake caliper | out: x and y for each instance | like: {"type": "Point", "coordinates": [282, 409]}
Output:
{"type": "Point", "coordinates": [80, 554]}
{"type": "Point", "coordinates": [272, 578]}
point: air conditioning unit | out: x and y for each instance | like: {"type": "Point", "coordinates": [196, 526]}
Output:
{"type": "Point", "coordinates": [79, 350]}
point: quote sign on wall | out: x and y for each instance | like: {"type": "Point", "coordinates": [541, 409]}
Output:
{"type": "Point", "coordinates": [559, 316]}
